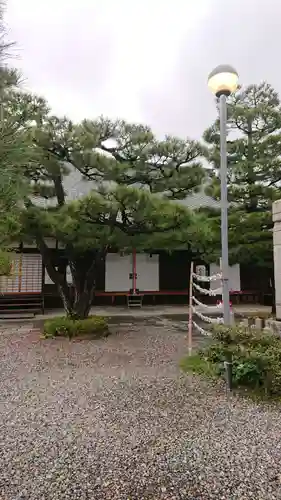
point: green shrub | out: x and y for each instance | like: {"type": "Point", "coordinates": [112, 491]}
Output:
{"type": "Point", "coordinates": [241, 335]}
{"type": "Point", "coordinates": [6, 264]}
{"type": "Point", "coordinates": [62, 326]}
{"type": "Point", "coordinates": [249, 369]}
{"type": "Point", "coordinates": [255, 355]}
{"type": "Point", "coordinates": [198, 364]}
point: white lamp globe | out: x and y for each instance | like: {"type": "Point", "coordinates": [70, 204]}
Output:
{"type": "Point", "coordinates": [223, 80]}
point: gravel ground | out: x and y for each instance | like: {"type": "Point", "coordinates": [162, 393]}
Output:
{"type": "Point", "coordinates": [115, 419]}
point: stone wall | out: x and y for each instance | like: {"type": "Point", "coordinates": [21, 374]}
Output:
{"type": "Point", "coordinates": [276, 215]}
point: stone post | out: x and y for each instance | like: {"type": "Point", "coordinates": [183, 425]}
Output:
{"type": "Point", "coordinates": [259, 323]}
{"type": "Point", "coordinates": [276, 215]}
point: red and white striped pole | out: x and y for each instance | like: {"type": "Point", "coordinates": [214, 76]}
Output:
{"type": "Point", "coordinates": [190, 309]}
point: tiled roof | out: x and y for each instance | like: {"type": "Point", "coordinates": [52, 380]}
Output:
{"type": "Point", "coordinates": [76, 187]}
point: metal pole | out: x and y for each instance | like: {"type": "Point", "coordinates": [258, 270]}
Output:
{"type": "Point", "coordinates": [224, 214]}
{"type": "Point", "coordinates": [134, 255]}
{"type": "Point", "coordinates": [224, 232]}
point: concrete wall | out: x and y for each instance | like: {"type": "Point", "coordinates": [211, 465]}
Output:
{"type": "Point", "coordinates": [276, 215]}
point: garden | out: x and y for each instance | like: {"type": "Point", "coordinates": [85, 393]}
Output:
{"type": "Point", "coordinates": [254, 356]}
{"type": "Point", "coordinates": [64, 326]}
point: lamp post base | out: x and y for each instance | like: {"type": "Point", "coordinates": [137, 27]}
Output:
{"type": "Point", "coordinates": [228, 375]}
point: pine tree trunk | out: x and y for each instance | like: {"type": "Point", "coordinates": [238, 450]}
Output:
{"type": "Point", "coordinates": [82, 305]}
{"type": "Point", "coordinates": [84, 282]}
{"type": "Point", "coordinates": [78, 308]}
{"type": "Point", "coordinates": [57, 275]}
{"type": "Point", "coordinates": [65, 297]}
{"type": "Point", "coordinates": [77, 300]}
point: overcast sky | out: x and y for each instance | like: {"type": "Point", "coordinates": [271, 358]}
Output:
{"type": "Point", "coordinates": [145, 61]}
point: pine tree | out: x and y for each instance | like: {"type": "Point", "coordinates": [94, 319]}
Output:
{"type": "Point", "coordinates": [15, 150]}
{"type": "Point", "coordinates": [129, 198]}
{"type": "Point", "coordinates": [254, 172]}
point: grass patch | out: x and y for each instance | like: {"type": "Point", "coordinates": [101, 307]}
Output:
{"type": "Point", "coordinates": [62, 326]}
{"type": "Point", "coordinates": [198, 365]}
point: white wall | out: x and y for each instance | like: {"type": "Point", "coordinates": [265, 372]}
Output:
{"type": "Point", "coordinates": [118, 269]}
{"type": "Point", "coordinates": [234, 277]}
{"type": "Point", "coordinates": [147, 272]}
{"type": "Point", "coordinates": [49, 281]}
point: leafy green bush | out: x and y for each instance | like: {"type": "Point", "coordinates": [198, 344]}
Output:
{"type": "Point", "coordinates": [241, 335]}
{"type": "Point", "coordinates": [5, 263]}
{"type": "Point", "coordinates": [62, 326]}
{"type": "Point", "coordinates": [198, 364]}
{"type": "Point", "coordinates": [255, 355]}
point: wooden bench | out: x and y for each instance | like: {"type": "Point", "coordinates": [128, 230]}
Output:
{"type": "Point", "coordinates": [237, 297]}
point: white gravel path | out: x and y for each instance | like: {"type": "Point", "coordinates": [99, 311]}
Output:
{"type": "Point", "coordinates": [115, 419]}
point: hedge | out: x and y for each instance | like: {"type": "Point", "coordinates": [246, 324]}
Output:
{"type": "Point", "coordinates": [62, 326]}
{"type": "Point", "coordinates": [256, 358]}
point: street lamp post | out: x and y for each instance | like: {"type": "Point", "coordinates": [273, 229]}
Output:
{"type": "Point", "coordinates": [222, 81]}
